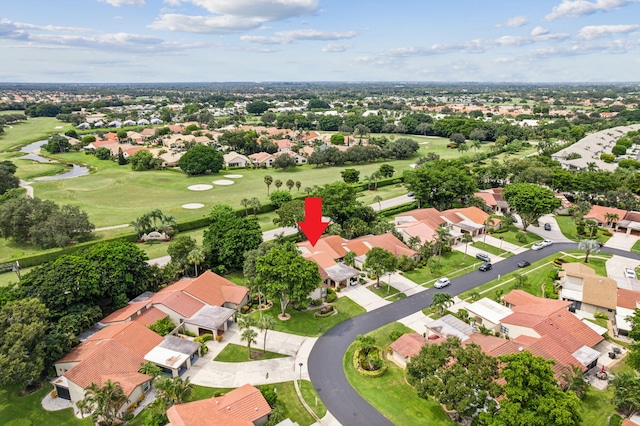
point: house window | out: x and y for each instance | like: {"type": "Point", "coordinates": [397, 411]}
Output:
{"type": "Point", "coordinates": [504, 330]}
{"type": "Point", "coordinates": [146, 386]}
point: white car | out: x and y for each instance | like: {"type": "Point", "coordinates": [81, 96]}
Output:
{"type": "Point", "coordinates": [537, 246]}
{"type": "Point", "coordinates": [442, 282]}
{"type": "Point", "coordinates": [546, 243]}
{"type": "Point", "coordinates": [630, 273]}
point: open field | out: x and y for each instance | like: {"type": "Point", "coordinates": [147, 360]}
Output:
{"type": "Point", "coordinates": [34, 129]}
{"type": "Point", "coordinates": [390, 393]}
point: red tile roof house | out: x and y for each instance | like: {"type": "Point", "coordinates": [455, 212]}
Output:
{"type": "Point", "coordinates": [587, 291]}
{"type": "Point", "coordinates": [627, 302]}
{"type": "Point", "coordinates": [262, 159]}
{"type": "Point", "coordinates": [494, 200]}
{"type": "Point", "coordinates": [406, 347]}
{"type": "Point", "coordinates": [598, 214]}
{"type": "Point", "coordinates": [244, 406]}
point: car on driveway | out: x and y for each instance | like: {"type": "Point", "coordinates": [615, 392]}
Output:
{"type": "Point", "coordinates": [630, 273]}
{"type": "Point", "coordinates": [442, 282]}
{"type": "Point", "coordinates": [523, 263]}
{"type": "Point", "coordinates": [547, 227]}
{"type": "Point", "coordinates": [484, 257]}
{"type": "Point", "coordinates": [537, 246]}
{"type": "Point", "coordinates": [485, 267]}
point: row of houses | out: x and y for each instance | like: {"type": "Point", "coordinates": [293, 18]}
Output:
{"type": "Point", "coordinates": [620, 220]}
{"type": "Point", "coordinates": [545, 327]}
{"type": "Point", "coordinates": [123, 342]}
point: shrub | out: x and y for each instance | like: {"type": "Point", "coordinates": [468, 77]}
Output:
{"type": "Point", "coordinates": [607, 158]}
{"type": "Point", "coordinates": [559, 261]}
{"type": "Point", "coordinates": [269, 395]}
{"type": "Point", "coordinates": [359, 356]}
{"type": "Point", "coordinates": [206, 337]}
{"type": "Point", "coordinates": [128, 416]}
{"type": "Point", "coordinates": [189, 333]}
{"type": "Point", "coordinates": [331, 296]}
{"type": "Point", "coordinates": [326, 311]}
{"type": "Point", "coordinates": [601, 315]}
{"type": "Point", "coordinates": [395, 335]}
{"type": "Point", "coordinates": [521, 237]}
{"type": "Point", "coordinates": [163, 326]}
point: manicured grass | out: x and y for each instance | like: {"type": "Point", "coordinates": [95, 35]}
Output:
{"type": "Point", "coordinates": [293, 408]}
{"type": "Point", "coordinates": [510, 237]}
{"type": "Point", "coordinates": [597, 261]}
{"type": "Point", "coordinates": [236, 278]}
{"type": "Point", "coordinates": [453, 264]}
{"type": "Point", "coordinates": [312, 399]}
{"type": "Point", "coordinates": [34, 129]}
{"type": "Point", "coordinates": [596, 408]}
{"type": "Point", "coordinates": [385, 289]}
{"type": "Point", "coordinates": [305, 324]}
{"type": "Point", "coordinates": [568, 228]}
{"type": "Point", "coordinates": [490, 249]}
{"type": "Point", "coordinates": [26, 410]}
{"type": "Point", "coordinates": [636, 247]}
{"type": "Point", "coordinates": [390, 393]}
{"type": "Point", "coordinates": [237, 353]}
{"type": "Point", "coordinates": [28, 169]}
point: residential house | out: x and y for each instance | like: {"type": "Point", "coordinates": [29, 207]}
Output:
{"type": "Point", "coordinates": [328, 254]}
{"type": "Point", "coordinates": [626, 304]}
{"type": "Point", "coordinates": [599, 215]}
{"type": "Point", "coordinates": [233, 159]}
{"type": "Point", "coordinates": [406, 347]}
{"type": "Point", "coordinates": [244, 406]}
{"type": "Point", "coordinates": [262, 159]}
{"type": "Point", "coordinates": [129, 123]}
{"type": "Point", "coordinates": [586, 290]}
{"type": "Point", "coordinates": [361, 246]}
{"type": "Point", "coordinates": [143, 122]}
{"type": "Point", "coordinates": [156, 121]}
{"type": "Point", "coordinates": [630, 223]}
{"type": "Point", "coordinates": [299, 159]}
{"type": "Point", "coordinates": [174, 355]}
{"type": "Point", "coordinates": [487, 313]}
{"type": "Point", "coordinates": [283, 144]}
{"type": "Point", "coordinates": [494, 200]}
{"type": "Point", "coordinates": [448, 326]}
{"type": "Point", "coordinates": [147, 133]}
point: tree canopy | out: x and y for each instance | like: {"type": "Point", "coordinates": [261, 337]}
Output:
{"type": "Point", "coordinates": [380, 261]}
{"type": "Point", "coordinates": [440, 183]}
{"type": "Point", "coordinates": [201, 159]}
{"type": "Point", "coordinates": [531, 201]}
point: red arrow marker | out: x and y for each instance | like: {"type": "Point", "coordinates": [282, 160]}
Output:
{"type": "Point", "coordinates": [313, 226]}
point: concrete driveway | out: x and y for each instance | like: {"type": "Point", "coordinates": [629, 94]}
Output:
{"type": "Point", "coordinates": [615, 269]}
{"type": "Point", "coordinates": [365, 297]}
{"type": "Point", "coordinates": [622, 241]}
{"type": "Point", "coordinates": [554, 235]}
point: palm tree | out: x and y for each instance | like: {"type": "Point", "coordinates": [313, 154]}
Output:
{"type": "Point", "coordinates": [466, 239]}
{"type": "Point", "coordinates": [171, 391]}
{"type": "Point", "coordinates": [103, 402]}
{"type": "Point", "coordinates": [141, 224]}
{"type": "Point", "coordinates": [626, 396]}
{"type": "Point", "coordinates": [290, 184]}
{"type": "Point", "coordinates": [168, 222]}
{"type": "Point", "coordinates": [575, 381]}
{"type": "Point", "coordinates": [246, 322]}
{"type": "Point", "coordinates": [592, 167]}
{"type": "Point", "coordinates": [255, 205]}
{"type": "Point", "coordinates": [278, 183]}
{"type": "Point", "coordinates": [442, 238]}
{"type": "Point", "coordinates": [588, 246]}
{"type": "Point", "coordinates": [378, 199]}
{"type": "Point", "coordinates": [249, 335]}
{"type": "Point", "coordinates": [414, 242]}
{"type": "Point", "coordinates": [489, 222]}
{"type": "Point", "coordinates": [298, 185]}
{"type": "Point", "coordinates": [611, 218]}
{"type": "Point", "coordinates": [376, 176]}
{"type": "Point", "coordinates": [442, 301]}
{"type": "Point", "coordinates": [245, 203]}
{"type": "Point", "coordinates": [156, 215]}
{"type": "Point", "coordinates": [266, 323]}
{"type": "Point", "coordinates": [268, 180]}
{"type": "Point", "coordinates": [196, 257]}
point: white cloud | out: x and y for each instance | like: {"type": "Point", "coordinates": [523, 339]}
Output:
{"type": "Point", "coordinates": [315, 35]}
{"type": "Point", "coordinates": [595, 31]}
{"type": "Point", "coordinates": [538, 31]}
{"type": "Point", "coordinates": [576, 8]}
{"type": "Point", "coordinates": [335, 47]}
{"type": "Point", "coordinates": [222, 24]}
{"type": "Point", "coordinates": [263, 40]}
{"type": "Point", "coordinates": [118, 3]}
{"type": "Point", "coordinates": [516, 21]}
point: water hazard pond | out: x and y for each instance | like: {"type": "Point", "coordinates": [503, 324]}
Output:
{"type": "Point", "coordinates": [31, 151]}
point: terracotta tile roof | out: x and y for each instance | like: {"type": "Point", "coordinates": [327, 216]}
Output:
{"type": "Point", "coordinates": [389, 242]}
{"type": "Point", "coordinates": [241, 406]}
{"type": "Point", "coordinates": [567, 330]}
{"type": "Point", "coordinates": [523, 302]}
{"type": "Point", "coordinates": [548, 348]}
{"type": "Point", "coordinates": [489, 344]}
{"type": "Point", "coordinates": [324, 260]}
{"type": "Point", "coordinates": [128, 381]}
{"type": "Point", "coordinates": [260, 157]}
{"type": "Point", "coordinates": [418, 229]}
{"type": "Point", "coordinates": [148, 132]}
{"type": "Point", "coordinates": [599, 291]}
{"type": "Point", "coordinates": [82, 351]}
{"type": "Point", "coordinates": [525, 340]}
{"type": "Point", "coordinates": [179, 302]}
{"type": "Point", "coordinates": [215, 290]}
{"type": "Point", "coordinates": [430, 216]}
{"type": "Point", "coordinates": [358, 247]}
{"type": "Point", "coordinates": [132, 334]}
{"type": "Point", "coordinates": [627, 422]}
{"type": "Point", "coordinates": [474, 214]}
{"type": "Point", "coordinates": [113, 358]}
{"type": "Point", "coordinates": [598, 213]}
{"type": "Point", "coordinates": [124, 314]}
{"type": "Point", "coordinates": [487, 197]}
{"type": "Point", "coordinates": [522, 319]}
{"type": "Point", "coordinates": [408, 345]}
{"type": "Point", "coordinates": [333, 246]}
{"type": "Point", "coordinates": [628, 298]}
{"type": "Point", "coordinates": [511, 347]}
{"type": "Point", "coordinates": [150, 316]}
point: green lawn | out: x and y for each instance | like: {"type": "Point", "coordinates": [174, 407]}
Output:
{"type": "Point", "coordinates": [636, 247]}
{"type": "Point", "coordinates": [568, 227]}
{"type": "Point", "coordinates": [28, 169]}
{"type": "Point", "coordinates": [237, 353]}
{"type": "Point", "coordinates": [312, 399]}
{"type": "Point", "coordinates": [293, 408]}
{"type": "Point", "coordinates": [27, 411]}
{"type": "Point", "coordinates": [510, 237]}
{"type": "Point", "coordinates": [490, 249]}
{"type": "Point", "coordinates": [387, 291]}
{"type": "Point", "coordinates": [597, 261]}
{"type": "Point", "coordinates": [305, 324]}
{"type": "Point", "coordinates": [454, 264]}
{"type": "Point", "coordinates": [390, 393]}
{"type": "Point", "coordinates": [596, 408]}
{"type": "Point", "coordinates": [24, 132]}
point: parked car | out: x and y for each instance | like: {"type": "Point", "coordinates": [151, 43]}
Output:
{"type": "Point", "coordinates": [442, 282]}
{"type": "Point", "coordinates": [547, 227]}
{"type": "Point", "coordinates": [523, 263]}
{"type": "Point", "coordinates": [537, 246]}
{"type": "Point", "coordinates": [484, 257]}
{"type": "Point", "coordinates": [630, 273]}
{"type": "Point", "coordinates": [411, 194]}
{"type": "Point", "coordinates": [485, 267]}
{"type": "Point", "coordinates": [546, 243]}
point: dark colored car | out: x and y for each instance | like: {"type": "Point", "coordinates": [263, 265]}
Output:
{"type": "Point", "coordinates": [411, 194]}
{"type": "Point", "coordinates": [523, 263]}
{"type": "Point", "coordinates": [547, 227]}
{"type": "Point", "coordinates": [484, 257]}
{"type": "Point", "coordinates": [485, 267]}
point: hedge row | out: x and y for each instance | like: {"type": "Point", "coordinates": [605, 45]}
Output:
{"type": "Point", "coordinates": [367, 373]}
{"type": "Point", "coordinates": [392, 211]}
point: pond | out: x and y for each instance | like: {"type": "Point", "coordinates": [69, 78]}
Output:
{"type": "Point", "coordinates": [33, 148]}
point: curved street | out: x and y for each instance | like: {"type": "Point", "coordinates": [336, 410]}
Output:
{"type": "Point", "coordinates": [326, 359]}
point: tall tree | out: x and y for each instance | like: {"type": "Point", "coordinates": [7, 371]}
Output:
{"type": "Point", "coordinates": [462, 378]}
{"type": "Point", "coordinates": [290, 184]}
{"type": "Point", "coordinates": [23, 324]}
{"type": "Point", "coordinates": [249, 335]}
{"type": "Point", "coordinates": [634, 335]}
{"type": "Point", "coordinates": [440, 183]}
{"type": "Point", "coordinates": [380, 261]}
{"type": "Point", "coordinates": [532, 395]}
{"type": "Point", "coordinates": [268, 180]}
{"type": "Point", "coordinates": [266, 323]}
{"type": "Point", "coordinates": [103, 402]}
{"type": "Point", "coordinates": [466, 239]}
{"type": "Point", "coordinates": [442, 301]}
{"type": "Point", "coordinates": [626, 396]}
{"type": "Point", "coordinates": [589, 246]}
{"type": "Point", "coordinates": [201, 159]}
{"type": "Point", "coordinates": [531, 201]}
{"type": "Point", "coordinates": [285, 274]}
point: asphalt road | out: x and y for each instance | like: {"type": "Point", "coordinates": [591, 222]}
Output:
{"type": "Point", "coordinates": [326, 358]}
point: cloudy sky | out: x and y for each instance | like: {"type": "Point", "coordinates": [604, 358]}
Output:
{"type": "Point", "coordinates": [319, 40]}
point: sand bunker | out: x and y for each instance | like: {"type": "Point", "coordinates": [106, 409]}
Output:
{"type": "Point", "coordinates": [223, 182]}
{"type": "Point", "coordinates": [233, 176]}
{"type": "Point", "coordinates": [199, 187]}
{"type": "Point", "coordinates": [192, 206]}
